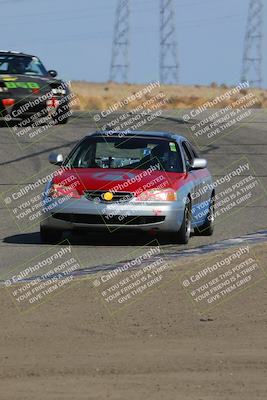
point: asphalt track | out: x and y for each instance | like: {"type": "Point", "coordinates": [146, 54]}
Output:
{"type": "Point", "coordinates": [21, 159]}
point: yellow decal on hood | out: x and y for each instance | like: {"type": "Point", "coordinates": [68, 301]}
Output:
{"type": "Point", "coordinates": [9, 78]}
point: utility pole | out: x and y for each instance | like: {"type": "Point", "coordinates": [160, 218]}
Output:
{"type": "Point", "coordinates": [120, 48]}
{"type": "Point", "coordinates": [252, 57]}
{"type": "Point", "coordinates": [169, 67]}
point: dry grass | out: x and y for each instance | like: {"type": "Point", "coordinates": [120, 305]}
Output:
{"type": "Point", "coordinates": [100, 96]}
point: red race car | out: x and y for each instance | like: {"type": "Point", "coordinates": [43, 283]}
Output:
{"type": "Point", "coordinates": [129, 180]}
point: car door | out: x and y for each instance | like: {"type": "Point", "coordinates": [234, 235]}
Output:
{"type": "Point", "coordinates": [196, 182]}
{"type": "Point", "coordinates": [205, 188]}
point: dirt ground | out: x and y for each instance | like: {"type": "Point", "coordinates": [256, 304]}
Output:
{"type": "Point", "coordinates": [71, 347]}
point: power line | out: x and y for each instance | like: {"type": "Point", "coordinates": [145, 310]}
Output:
{"type": "Point", "coordinates": [252, 56]}
{"type": "Point", "coordinates": [169, 67]}
{"type": "Point", "coordinates": [119, 67]}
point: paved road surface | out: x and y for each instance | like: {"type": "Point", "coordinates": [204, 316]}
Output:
{"type": "Point", "coordinates": [22, 158]}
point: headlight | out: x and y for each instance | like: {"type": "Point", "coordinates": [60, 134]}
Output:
{"type": "Point", "coordinates": [57, 190]}
{"type": "Point", "coordinates": [157, 195]}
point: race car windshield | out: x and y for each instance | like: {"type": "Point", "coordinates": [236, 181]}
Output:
{"type": "Point", "coordinates": [12, 65]}
{"type": "Point", "coordinates": [127, 153]}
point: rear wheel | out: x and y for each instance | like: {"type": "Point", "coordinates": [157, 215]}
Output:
{"type": "Point", "coordinates": [185, 230]}
{"type": "Point", "coordinates": [50, 236]}
{"type": "Point", "coordinates": [207, 228]}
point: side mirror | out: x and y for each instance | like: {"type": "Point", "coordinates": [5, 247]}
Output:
{"type": "Point", "coordinates": [52, 73]}
{"type": "Point", "coordinates": [55, 159]}
{"type": "Point", "coordinates": [199, 163]}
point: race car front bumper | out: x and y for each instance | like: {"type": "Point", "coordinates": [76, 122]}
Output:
{"type": "Point", "coordinates": [82, 214]}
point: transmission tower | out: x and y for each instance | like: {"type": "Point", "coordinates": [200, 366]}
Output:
{"type": "Point", "coordinates": [252, 57]}
{"type": "Point", "coordinates": [169, 67]}
{"type": "Point", "coordinates": [119, 59]}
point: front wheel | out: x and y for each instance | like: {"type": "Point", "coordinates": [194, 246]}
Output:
{"type": "Point", "coordinates": [62, 121]}
{"type": "Point", "coordinates": [61, 116]}
{"type": "Point", "coordinates": [50, 236]}
{"type": "Point", "coordinates": [185, 230]}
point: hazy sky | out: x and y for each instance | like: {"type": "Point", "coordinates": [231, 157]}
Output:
{"type": "Point", "coordinates": [75, 37]}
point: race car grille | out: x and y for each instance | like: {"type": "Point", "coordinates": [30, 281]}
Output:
{"type": "Point", "coordinates": [108, 220]}
{"type": "Point", "coordinates": [98, 195]}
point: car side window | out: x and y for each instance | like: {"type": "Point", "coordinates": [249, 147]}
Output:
{"type": "Point", "coordinates": [3, 67]}
{"type": "Point", "coordinates": [187, 154]}
{"type": "Point", "coordinates": [192, 150]}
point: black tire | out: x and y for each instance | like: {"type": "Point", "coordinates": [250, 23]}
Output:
{"type": "Point", "coordinates": [60, 113]}
{"type": "Point", "coordinates": [60, 122]}
{"type": "Point", "coordinates": [63, 121]}
{"type": "Point", "coordinates": [207, 228]}
{"type": "Point", "coordinates": [50, 236]}
{"type": "Point", "coordinates": [183, 234]}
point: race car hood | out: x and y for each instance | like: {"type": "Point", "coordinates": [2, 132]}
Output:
{"type": "Point", "coordinates": [119, 180]}
{"type": "Point", "coordinates": [23, 85]}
